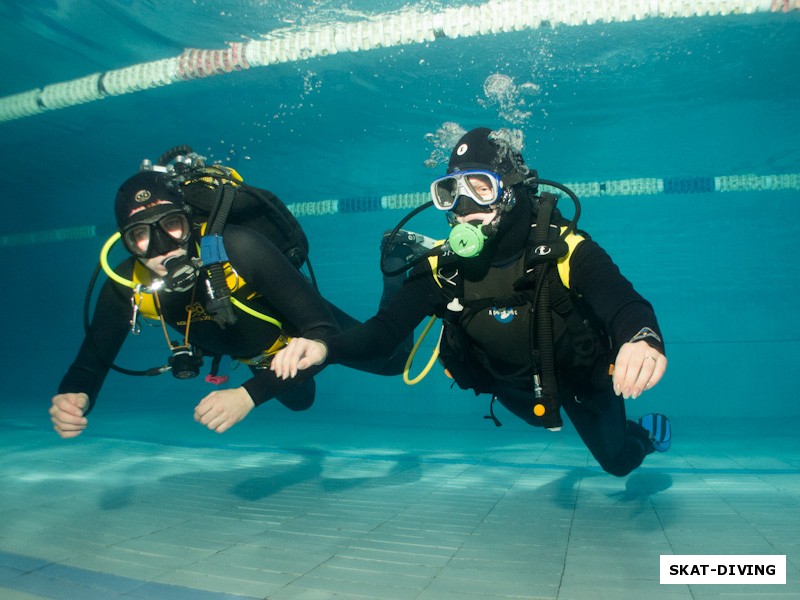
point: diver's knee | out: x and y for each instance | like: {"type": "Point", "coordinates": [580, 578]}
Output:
{"type": "Point", "coordinates": [299, 398]}
{"type": "Point", "coordinates": [297, 406]}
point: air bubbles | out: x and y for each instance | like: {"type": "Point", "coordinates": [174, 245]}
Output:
{"type": "Point", "coordinates": [444, 140]}
{"type": "Point", "coordinates": [498, 85]}
{"type": "Point", "coordinates": [512, 139]}
{"type": "Point", "coordinates": [311, 83]}
{"type": "Point", "coordinates": [227, 153]}
{"type": "Point", "coordinates": [510, 99]}
{"type": "Point", "coordinates": [530, 89]}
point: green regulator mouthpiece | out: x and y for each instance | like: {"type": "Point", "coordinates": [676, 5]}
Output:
{"type": "Point", "coordinates": [467, 240]}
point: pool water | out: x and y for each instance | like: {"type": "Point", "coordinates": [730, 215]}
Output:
{"type": "Point", "coordinates": [679, 134]}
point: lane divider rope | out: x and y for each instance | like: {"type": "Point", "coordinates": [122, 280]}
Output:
{"type": "Point", "coordinates": [409, 26]}
{"type": "Point", "coordinates": [646, 186]}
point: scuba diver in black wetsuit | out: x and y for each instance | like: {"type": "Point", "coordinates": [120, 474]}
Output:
{"type": "Point", "coordinates": [166, 279]}
{"type": "Point", "coordinates": [535, 313]}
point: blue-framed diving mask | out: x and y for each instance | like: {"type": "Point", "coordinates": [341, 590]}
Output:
{"type": "Point", "coordinates": [467, 192]}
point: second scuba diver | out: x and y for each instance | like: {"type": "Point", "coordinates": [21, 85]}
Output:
{"type": "Point", "coordinates": [164, 279]}
{"type": "Point", "coordinates": [535, 312]}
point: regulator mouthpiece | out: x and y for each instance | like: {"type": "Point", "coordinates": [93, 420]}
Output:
{"type": "Point", "coordinates": [181, 274]}
{"type": "Point", "coordinates": [467, 240]}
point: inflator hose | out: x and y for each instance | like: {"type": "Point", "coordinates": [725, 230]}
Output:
{"type": "Point", "coordinates": [88, 330]}
{"type": "Point", "coordinates": [390, 240]}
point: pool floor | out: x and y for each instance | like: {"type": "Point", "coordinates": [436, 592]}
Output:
{"type": "Point", "coordinates": [296, 507]}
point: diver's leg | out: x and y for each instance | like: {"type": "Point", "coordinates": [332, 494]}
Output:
{"type": "Point", "coordinates": [300, 396]}
{"type": "Point", "coordinates": [618, 444]}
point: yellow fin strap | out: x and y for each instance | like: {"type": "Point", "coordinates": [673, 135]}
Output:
{"type": "Point", "coordinates": [434, 355]}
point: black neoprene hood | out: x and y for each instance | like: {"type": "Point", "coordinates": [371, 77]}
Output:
{"type": "Point", "coordinates": [478, 150]}
{"type": "Point", "coordinates": [143, 197]}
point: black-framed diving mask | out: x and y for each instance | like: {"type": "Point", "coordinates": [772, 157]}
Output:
{"type": "Point", "coordinates": [157, 235]}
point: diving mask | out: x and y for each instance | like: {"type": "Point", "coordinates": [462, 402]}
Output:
{"type": "Point", "coordinates": [481, 186]}
{"type": "Point", "coordinates": [146, 239]}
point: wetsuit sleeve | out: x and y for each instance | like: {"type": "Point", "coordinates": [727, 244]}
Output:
{"type": "Point", "coordinates": [381, 334]}
{"type": "Point", "coordinates": [612, 298]}
{"type": "Point", "coordinates": [268, 272]}
{"type": "Point", "coordinates": [107, 332]}
{"type": "Point", "coordinates": [264, 385]}
{"type": "Point", "coordinates": [265, 268]}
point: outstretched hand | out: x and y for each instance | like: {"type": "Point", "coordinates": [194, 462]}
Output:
{"type": "Point", "coordinates": [297, 355]}
{"type": "Point", "coordinates": [638, 368]}
{"type": "Point", "coordinates": [66, 413]}
{"type": "Point", "coordinates": [222, 409]}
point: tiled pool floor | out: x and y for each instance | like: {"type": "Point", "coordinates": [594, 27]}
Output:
{"type": "Point", "coordinates": [295, 508]}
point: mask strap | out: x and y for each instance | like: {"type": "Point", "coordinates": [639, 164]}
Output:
{"type": "Point", "coordinates": [516, 176]}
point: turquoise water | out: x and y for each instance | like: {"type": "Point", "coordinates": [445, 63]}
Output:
{"type": "Point", "coordinates": [663, 98]}
{"type": "Point", "coordinates": [688, 102]}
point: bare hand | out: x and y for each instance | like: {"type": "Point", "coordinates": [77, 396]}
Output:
{"type": "Point", "coordinates": [298, 354]}
{"type": "Point", "coordinates": [638, 368]}
{"type": "Point", "coordinates": [222, 409]}
{"type": "Point", "coordinates": [66, 413]}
